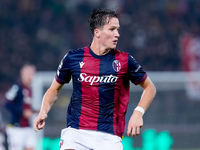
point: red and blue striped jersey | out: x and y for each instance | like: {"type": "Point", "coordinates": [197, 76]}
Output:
{"type": "Point", "coordinates": [100, 94]}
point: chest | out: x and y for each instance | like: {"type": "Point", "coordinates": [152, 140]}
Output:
{"type": "Point", "coordinates": [93, 71]}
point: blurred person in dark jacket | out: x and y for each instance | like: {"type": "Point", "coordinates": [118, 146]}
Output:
{"type": "Point", "coordinates": [19, 132]}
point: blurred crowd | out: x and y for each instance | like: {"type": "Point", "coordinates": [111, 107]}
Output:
{"type": "Point", "coordinates": [42, 31]}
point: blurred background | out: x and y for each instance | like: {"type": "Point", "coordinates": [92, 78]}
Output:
{"type": "Point", "coordinates": [162, 35]}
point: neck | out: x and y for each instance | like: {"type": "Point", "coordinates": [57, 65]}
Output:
{"type": "Point", "coordinates": [25, 83]}
{"type": "Point", "coordinates": [98, 49]}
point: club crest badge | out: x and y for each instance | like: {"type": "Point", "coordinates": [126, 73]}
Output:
{"type": "Point", "coordinates": [116, 65]}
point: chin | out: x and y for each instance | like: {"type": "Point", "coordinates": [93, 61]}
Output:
{"type": "Point", "coordinates": [113, 47]}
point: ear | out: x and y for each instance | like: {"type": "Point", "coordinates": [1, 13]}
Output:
{"type": "Point", "coordinates": [97, 33]}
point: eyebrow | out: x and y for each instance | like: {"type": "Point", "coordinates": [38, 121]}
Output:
{"type": "Point", "coordinates": [115, 27]}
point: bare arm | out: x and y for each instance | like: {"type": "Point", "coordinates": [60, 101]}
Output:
{"type": "Point", "coordinates": [49, 99]}
{"type": "Point", "coordinates": [136, 120]}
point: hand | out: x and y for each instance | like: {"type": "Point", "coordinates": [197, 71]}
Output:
{"type": "Point", "coordinates": [135, 123]}
{"type": "Point", "coordinates": [39, 122]}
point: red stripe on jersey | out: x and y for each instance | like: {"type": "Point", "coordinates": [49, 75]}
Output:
{"type": "Point", "coordinates": [122, 98]}
{"type": "Point", "coordinates": [90, 96]}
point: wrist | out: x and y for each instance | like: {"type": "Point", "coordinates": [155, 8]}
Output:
{"type": "Point", "coordinates": [42, 113]}
{"type": "Point", "coordinates": [140, 109]}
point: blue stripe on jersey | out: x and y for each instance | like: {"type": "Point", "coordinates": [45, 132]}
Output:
{"type": "Point", "coordinates": [105, 120]}
{"type": "Point", "coordinates": [74, 108]}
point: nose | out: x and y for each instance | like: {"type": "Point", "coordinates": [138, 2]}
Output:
{"type": "Point", "coordinates": [117, 33]}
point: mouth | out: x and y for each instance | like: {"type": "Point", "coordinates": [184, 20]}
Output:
{"type": "Point", "coordinates": [115, 42]}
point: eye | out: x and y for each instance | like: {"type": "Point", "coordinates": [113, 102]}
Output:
{"type": "Point", "coordinates": [114, 28]}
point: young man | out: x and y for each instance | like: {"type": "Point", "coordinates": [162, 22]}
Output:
{"type": "Point", "coordinates": [20, 134]}
{"type": "Point", "coordinates": [101, 75]}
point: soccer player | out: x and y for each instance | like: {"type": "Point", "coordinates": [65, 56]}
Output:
{"type": "Point", "coordinates": [19, 132]}
{"type": "Point", "coordinates": [100, 74]}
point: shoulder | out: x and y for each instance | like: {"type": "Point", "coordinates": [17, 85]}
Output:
{"type": "Point", "coordinates": [119, 52]}
{"type": "Point", "coordinates": [16, 87]}
{"type": "Point", "coordinates": [74, 53]}
{"type": "Point", "coordinates": [71, 56]}
{"type": "Point", "coordinates": [13, 91]}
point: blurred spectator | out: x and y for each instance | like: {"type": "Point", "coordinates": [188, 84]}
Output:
{"type": "Point", "coordinates": [18, 101]}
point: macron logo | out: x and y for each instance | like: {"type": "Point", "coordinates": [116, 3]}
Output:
{"type": "Point", "coordinates": [81, 64]}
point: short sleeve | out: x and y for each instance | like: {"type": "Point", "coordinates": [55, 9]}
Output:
{"type": "Point", "coordinates": [63, 74]}
{"type": "Point", "coordinates": [136, 73]}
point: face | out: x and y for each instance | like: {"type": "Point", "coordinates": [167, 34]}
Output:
{"type": "Point", "coordinates": [27, 74]}
{"type": "Point", "coordinates": [109, 34]}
